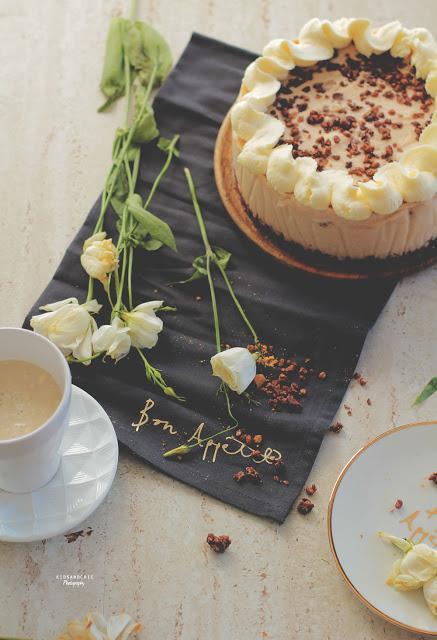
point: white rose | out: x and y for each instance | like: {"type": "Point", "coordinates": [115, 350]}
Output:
{"type": "Point", "coordinates": [417, 566]}
{"type": "Point", "coordinates": [144, 325]}
{"type": "Point", "coordinates": [430, 593]}
{"type": "Point", "coordinates": [99, 256]}
{"type": "Point", "coordinates": [69, 326]}
{"type": "Point", "coordinates": [236, 367]}
{"type": "Point", "coordinates": [113, 338]}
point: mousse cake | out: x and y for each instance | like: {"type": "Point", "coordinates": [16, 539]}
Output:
{"type": "Point", "coordinates": [334, 138]}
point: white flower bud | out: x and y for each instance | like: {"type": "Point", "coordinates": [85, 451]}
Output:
{"type": "Point", "coordinates": [236, 367]}
{"type": "Point", "coordinates": [99, 256]}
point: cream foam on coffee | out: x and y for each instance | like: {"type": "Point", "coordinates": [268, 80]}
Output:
{"type": "Point", "coordinates": [29, 395]}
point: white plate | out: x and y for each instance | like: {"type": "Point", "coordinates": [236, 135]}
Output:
{"type": "Point", "coordinates": [394, 466]}
{"type": "Point", "coordinates": [88, 465]}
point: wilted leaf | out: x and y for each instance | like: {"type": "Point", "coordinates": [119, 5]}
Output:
{"type": "Point", "coordinates": [147, 48]}
{"type": "Point", "coordinates": [112, 83]}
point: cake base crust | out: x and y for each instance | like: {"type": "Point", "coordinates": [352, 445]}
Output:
{"type": "Point", "coordinates": [293, 254]}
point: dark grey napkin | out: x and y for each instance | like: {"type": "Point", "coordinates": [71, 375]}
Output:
{"type": "Point", "coordinates": [325, 320]}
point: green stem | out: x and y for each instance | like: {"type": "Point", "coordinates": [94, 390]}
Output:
{"type": "Point", "coordinates": [127, 77]}
{"type": "Point", "coordinates": [129, 276]}
{"type": "Point", "coordinates": [224, 388]}
{"type": "Point", "coordinates": [119, 160]}
{"type": "Point", "coordinates": [213, 304]}
{"type": "Point", "coordinates": [90, 289]}
{"type": "Point", "coordinates": [214, 435]}
{"type": "Point", "coordinates": [155, 376]}
{"type": "Point", "coordinates": [236, 301]}
{"type": "Point", "coordinates": [165, 166]}
{"type": "Point", "coordinates": [155, 185]}
{"type": "Point", "coordinates": [198, 212]}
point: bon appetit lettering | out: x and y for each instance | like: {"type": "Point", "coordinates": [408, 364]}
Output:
{"type": "Point", "coordinates": [211, 448]}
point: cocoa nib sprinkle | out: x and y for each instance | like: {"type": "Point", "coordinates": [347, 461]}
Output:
{"type": "Point", "coordinates": [356, 120]}
{"type": "Point", "coordinates": [348, 409]}
{"type": "Point", "coordinates": [433, 477]}
{"type": "Point", "coordinates": [305, 506]}
{"type": "Point", "coordinates": [284, 380]}
{"type": "Point", "coordinates": [360, 379]}
{"type": "Point", "coordinates": [336, 427]}
{"type": "Point", "coordinates": [219, 544]}
{"type": "Point", "coordinates": [75, 535]}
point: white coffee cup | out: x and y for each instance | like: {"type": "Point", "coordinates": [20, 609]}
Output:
{"type": "Point", "coordinates": [30, 461]}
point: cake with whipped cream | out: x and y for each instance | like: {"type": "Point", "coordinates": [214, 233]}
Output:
{"type": "Point", "coordinates": [334, 138]}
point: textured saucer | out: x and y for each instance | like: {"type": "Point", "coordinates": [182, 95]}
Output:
{"type": "Point", "coordinates": [88, 465]}
{"type": "Point", "coordinates": [291, 254]}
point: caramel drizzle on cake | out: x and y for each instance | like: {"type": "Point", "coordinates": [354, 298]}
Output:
{"type": "Point", "coordinates": [353, 111]}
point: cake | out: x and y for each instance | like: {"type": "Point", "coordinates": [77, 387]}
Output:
{"type": "Point", "coordinates": [334, 139]}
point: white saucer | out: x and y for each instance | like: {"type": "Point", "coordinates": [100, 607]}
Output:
{"type": "Point", "coordinates": [88, 465]}
{"type": "Point", "coordinates": [396, 465]}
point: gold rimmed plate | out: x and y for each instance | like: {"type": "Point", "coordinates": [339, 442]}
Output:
{"type": "Point", "coordinates": [293, 255]}
{"type": "Point", "coordinates": [394, 466]}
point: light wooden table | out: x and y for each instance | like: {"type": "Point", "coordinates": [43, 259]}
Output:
{"type": "Point", "coordinates": [147, 551]}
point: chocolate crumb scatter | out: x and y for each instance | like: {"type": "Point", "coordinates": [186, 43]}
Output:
{"type": "Point", "coordinates": [336, 427]}
{"type": "Point", "coordinates": [252, 474]}
{"type": "Point", "coordinates": [311, 489]}
{"type": "Point", "coordinates": [305, 506]}
{"type": "Point", "coordinates": [353, 120]}
{"type": "Point", "coordinates": [219, 544]}
{"type": "Point", "coordinates": [239, 476]}
{"type": "Point", "coordinates": [433, 477]}
{"type": "Point", "coordinates": [360, 379]}
{"type": "Point", "coordinates": [284, 380]}
{"type": "Point", "coordinates": [75, 535]}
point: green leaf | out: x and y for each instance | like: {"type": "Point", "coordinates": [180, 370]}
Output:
{"type": "Point", "coordinates": [112, 83]}
{"type": "Point", "coordinates": [135, 200]}
{"type": "Point", "coordinates": [132, 152]}
{"type": "Point", "coordinates": [151, 244]}
{"type": "Point", "coordinates": [222, 257]}
{"type": "Point", "coordinates": [117, 205]}
{"type": "Point", "coordinates": [427, 391]}
{"type": "Point", "coordinates": [146, 129]}
{"type": "Point", "coordinates": [165, 144]}
{"type": "Point", "coordinates": [151, 224]}
{"type": "Point", "coordinates": [146, 48]}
